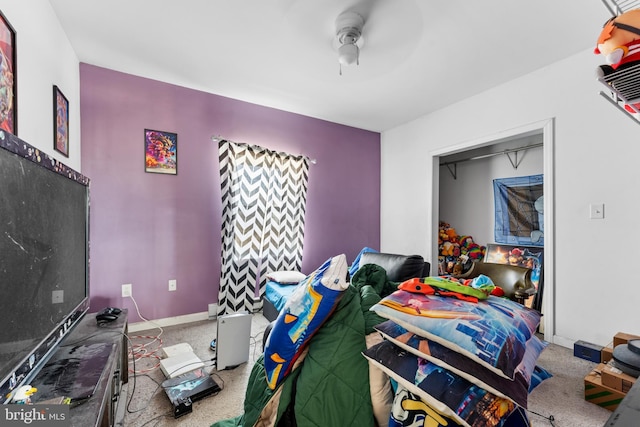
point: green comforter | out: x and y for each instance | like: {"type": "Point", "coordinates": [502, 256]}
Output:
{"type": "Point", "coordinates": [331, 385]}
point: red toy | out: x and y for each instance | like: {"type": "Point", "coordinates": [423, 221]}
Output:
{"type": "Point", "coordinates": [619, 43]}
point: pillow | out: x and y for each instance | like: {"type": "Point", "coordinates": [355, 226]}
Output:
{"type": "Point", "coordinates": [442, 390]}
{"type": "Point", "coordinates": [519, 418]}
{"type": "Point", "coordinates": [379, 386]}
{"type": "Point", "coordinates": [286, 277]}
{"type": "Point", "coordinates": [305, 311]}
{"type": "Point", "coordinates": [516, 390]}
{"type": "Point", "coordinates": [492, 332]}
{"type": "Point", "coordinates": [355, 266]}
{"type": "Point", "coordinates": [409, 410]}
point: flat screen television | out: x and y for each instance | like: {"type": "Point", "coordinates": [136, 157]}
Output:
{"type": "Point", "coordinates": [44, 258]}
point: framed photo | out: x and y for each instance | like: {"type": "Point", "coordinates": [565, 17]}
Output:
{"type": "Point", "coordinates": [8, 76]}
{"type": "Point", "coordinates": [524, 256]}
{"type": "Point", "coordinates": [60, 121]}
{"type": "Point", "coordinates": [519, 210]}
{"type": "Point", "coordinates": [161, 152]}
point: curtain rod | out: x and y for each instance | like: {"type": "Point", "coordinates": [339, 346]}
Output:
{"type": "Point", "coordinates": [218, 138]}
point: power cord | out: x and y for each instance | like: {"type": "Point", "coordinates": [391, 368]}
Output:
{"type": "Point", "coordinates": [549, 418]}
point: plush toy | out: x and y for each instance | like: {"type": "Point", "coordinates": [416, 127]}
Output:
{"type": "Point", "coordinates": [22, 395]}
{"type": "Point", "coordinates": [451, 234]}
{"type": "Point", "coordinates": [447, 249]}
{"type": "Point", "coordinates": [619, 43]}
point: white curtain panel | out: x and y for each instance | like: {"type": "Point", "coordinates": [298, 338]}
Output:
{"type": "Point", "coordinates": [264, 196]}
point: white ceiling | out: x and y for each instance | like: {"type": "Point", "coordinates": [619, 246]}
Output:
{"type": "Point", "coordinates": [418, 55]}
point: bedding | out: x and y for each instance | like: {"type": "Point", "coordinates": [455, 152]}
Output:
{"type": "Point", "coordinates": [408, 410]}
{"type": "Point", "coordinates": [444, 391]}
{"type": "Point", "coordinates": [277, 293]}
{"type": "Point", "coordinates": [286, 277]}
{"type": "Point", "coordinates": [305, 311]}
{"type": "Point", "coordinates": [492, 332]}
{"type": "Point", "coordinates": [466, 363]}
{"type": "Point", "coordinates": [516, 390]}
{"type": "Point", "coordinates": [330, 387]}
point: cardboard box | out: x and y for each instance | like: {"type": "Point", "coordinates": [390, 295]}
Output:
{"type": "Point", "coordinates": [606, 354]}
{"type": "Point", "coordinates": [623, 338]}
{"type": "Point", "coordinates": [587, 350]}
{"type": "Point", "coordinates": [616, 379]}
{"type": "Point", "coordinates": [599, 394]}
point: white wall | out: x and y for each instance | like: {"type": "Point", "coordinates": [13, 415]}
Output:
{"type": "Point", "coordinates": [596, 154]}
{"type": "Point", "coordinates": [45, 58]}
{"type": "Point", "coordinates": [467, 202]}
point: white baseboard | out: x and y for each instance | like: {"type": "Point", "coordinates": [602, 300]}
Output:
{"type": "Point", "coordinates": [213, 311]}
{"type": "Point", "coordinates": [563, 342]}
{"type": "Point", "coordinates": [168, 321]}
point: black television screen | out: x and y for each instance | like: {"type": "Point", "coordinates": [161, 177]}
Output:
{"type": "Point", "coordinates": [44, 246]}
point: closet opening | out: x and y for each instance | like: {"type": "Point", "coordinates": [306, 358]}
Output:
{"type": "Point", "coordinates": [462, 193]}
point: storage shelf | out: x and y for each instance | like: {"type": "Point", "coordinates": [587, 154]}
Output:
{"type": "Point", "coordinates": [616, 7]}
{"type": "Point", "coordinates": [623, 86]}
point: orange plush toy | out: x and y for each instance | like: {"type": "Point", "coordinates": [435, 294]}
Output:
{"type": "Point", "coordinates": [619, 43]}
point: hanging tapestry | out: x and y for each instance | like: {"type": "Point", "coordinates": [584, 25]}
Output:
{"type": "Point", "coordinates": [519, 208]}
{"type": "Point", "coordinates": [264, 195]}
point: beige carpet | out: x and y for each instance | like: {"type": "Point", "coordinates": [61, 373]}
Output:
{"type": "Point", "coordinates": [561, 396]}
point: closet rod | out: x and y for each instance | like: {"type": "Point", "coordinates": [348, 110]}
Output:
{"type": "Point", "coordinates": [508, 151]}
{"type": "Point", "coordinates": [515, 164]}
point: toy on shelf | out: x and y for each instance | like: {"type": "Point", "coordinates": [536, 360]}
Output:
{"type": "Point", "coordinates": [619, 44]}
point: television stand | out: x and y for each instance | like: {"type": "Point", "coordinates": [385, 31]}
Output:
{"type": "Point", "coordinates": [105, 404]}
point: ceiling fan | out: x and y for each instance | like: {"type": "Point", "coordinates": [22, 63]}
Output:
{"type": "Point", "coordinates": [349, 38]}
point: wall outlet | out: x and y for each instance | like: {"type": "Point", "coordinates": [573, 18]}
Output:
{"type": "Point", "coordinates": [126, 290]}
{"type": "Point", "coordinates": [57, 296]}
{"type": "Point", "coordinates": [173, 284]}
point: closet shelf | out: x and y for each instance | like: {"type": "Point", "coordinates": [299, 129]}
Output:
{"type": "Point", "coordinates": [508, 152]}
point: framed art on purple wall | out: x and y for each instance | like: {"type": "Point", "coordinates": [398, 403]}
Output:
{"type": "Point", "coordinates": [8, 75]}
{"type": "Point", "coordinates": [161, 152]}
{"type": "Point", "coordinates": [60, 121]}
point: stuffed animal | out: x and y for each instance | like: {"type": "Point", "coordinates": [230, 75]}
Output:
{"type": "Point", "coordinates": [22, 395]}
{"type": "Point", "coordinates": [451, 234]}
{"type": "Point", "coordinates": [619, 43]}
{"type": "Point", "coordinates": [447, 249]}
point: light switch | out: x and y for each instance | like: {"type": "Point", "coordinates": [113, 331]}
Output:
{"type": "Point", "coordinates": [596, 211]}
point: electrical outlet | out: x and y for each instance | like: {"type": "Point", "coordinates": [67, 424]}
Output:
{"type": "Point", "coordinates": [57, 297]}
{"type": "Point", "coordinates": [173, 283]}
{"type": "Point", "coordinates": [126, 290]}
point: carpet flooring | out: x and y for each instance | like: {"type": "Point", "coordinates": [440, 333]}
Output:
{"type": "Point", "coordinates": [561, 396]}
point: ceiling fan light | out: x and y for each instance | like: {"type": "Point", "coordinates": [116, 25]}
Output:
{"type": "Point", "coordinates": [348, 54]}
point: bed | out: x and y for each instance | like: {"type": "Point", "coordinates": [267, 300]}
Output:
{"type": "Point", "coordinates": [384, 354]}
{"type": "Point", "coordinates": [280, 285]}
{"type": "Point", "coordinates": [275, 297]}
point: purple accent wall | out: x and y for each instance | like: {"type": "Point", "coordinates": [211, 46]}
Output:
{"type": "Point", "coordinates": [149, 228]}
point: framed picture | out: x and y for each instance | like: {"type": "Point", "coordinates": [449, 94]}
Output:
{"type": "Point", "coordinates": [524, 256]}
{"type": "Point", "coordinates": [60, 121]}
{"type": "Point", "coordinates": [519, 210]}
{"type": "Point", "coordinates": [161, 152]}
{"type": "Point", "coordinates": [8, 75]}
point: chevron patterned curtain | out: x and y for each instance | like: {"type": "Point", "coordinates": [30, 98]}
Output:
{"type": "Point", "coordinates": [264, 194]}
